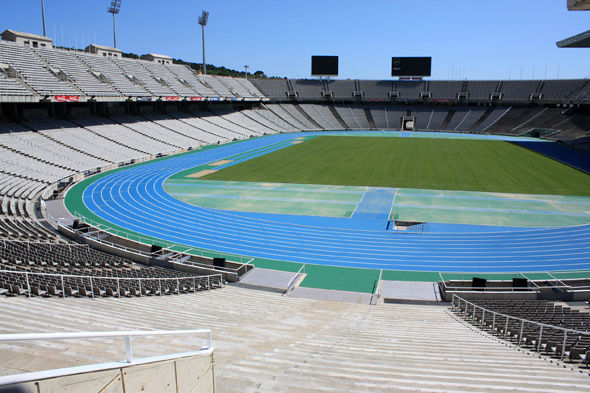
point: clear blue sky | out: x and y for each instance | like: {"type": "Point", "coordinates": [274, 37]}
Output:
{"type": "Point", "coordinates": [467, 39]}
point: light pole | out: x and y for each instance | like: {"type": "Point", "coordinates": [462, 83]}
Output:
{"type": "Point", "coordinates": [114, 9]}
{"type": "Point", "coordinates": [43, 14]}
{"type": "Point", "coordinates": [203, 22]}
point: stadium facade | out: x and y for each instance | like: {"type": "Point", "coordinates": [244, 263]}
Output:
{"type": "Point", "coordinates": [66, 116]}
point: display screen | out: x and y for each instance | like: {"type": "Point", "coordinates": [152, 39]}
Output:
{"type": "Point", "coordinates": [411, 66]}
{"type": "Point", "coordinates": [324, 65]}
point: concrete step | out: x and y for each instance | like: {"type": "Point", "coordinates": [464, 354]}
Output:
{"type": "Point", "coordinates": [268, 343]}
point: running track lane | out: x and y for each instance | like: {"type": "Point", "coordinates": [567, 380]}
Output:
{"type": "Point", "coordinates": [135, 199]}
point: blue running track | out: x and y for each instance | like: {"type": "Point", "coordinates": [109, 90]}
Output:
{"type": "Point", "coordinates": [135, 200]}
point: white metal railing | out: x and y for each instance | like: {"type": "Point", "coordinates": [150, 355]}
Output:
{"type": "Point", "coordinates": [151, 241]}
{"type": "Point", "coordinates": [377, 288]}
{"type": "Point", "coordinates": [294, 279]}
{"type": "Point", "coordinates": [211, 279]}
{"type": "Point", "coordinates": [50, 245]}
{"type": "Point", "coordinates": [456, 306]}
{"type": "Point", "coordinates": [534, 287]}
{"type": "Point", "coordinates": [239, 271]}
{"type": "Point", "coordinates": [125, 334]}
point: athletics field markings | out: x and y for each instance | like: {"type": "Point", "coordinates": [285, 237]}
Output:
{"type": "Point", "coordinates": [137, 188]}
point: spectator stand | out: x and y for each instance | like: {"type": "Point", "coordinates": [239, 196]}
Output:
{"type": "Point", "coordinates": [539, 326]}
{"type": "Point", "coordinates": [563, 286]}
{"type": "Point", "coordinates": [46, 269]}
{"type": "Point", "coordinates": [145, 251]}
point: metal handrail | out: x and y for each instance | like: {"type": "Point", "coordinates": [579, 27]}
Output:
{"type": "Point", "coordinates": [376, 288]}
{"type": "Point", "coordinates": [128, 236]}
{"type": "Point", "coordinates": [535, 287]}
{"type": "Point", "coordinates": [508, 317]}
{"type": "Point", "coordinates": [69, 245]}
{"type": "Point", "coordinates": [239, 271]}
{"type": "Point", "coordinates": [513, 289]}
{"type": "Point", "coordinates": [490, 289]}
{"type": "Point", "coordinates": [294, 279]}
{"type": "Point", "coordinates": [118, 279]}
{"type": "Point", "coordinates": [127, 335]}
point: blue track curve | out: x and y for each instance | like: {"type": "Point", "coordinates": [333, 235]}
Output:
{"type": "Point", "coordinates": [135, 199]}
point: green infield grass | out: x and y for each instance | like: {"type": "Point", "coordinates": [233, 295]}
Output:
{"type": "Point", "coordinates": [437, 164]}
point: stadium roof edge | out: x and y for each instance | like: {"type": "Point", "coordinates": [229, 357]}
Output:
{"type": "Point", "coordinates": [108, 48]}
{"type": "Point", "coordinates": [581, 40]}
{"type": "Point", "coordinates": [13, 33]}
{"type": "Point", "coordinates": [578, 5]}
{"type": "Point", "coordinates": [160, 56]}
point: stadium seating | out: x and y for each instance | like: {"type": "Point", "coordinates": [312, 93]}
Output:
{"type": "Point", "coordinates": [464, 119]}
{"type": "Point", "coordinates": [307, 89]}
{"type": "Point", "coordinates": [273, 88]}
{"type": "Point", "coordinates": [44, 80]}
{"type": "Point", "coordinates": [192, 136]}
{"type": "Point", "coordinates": [155, 131]}
{"type": "Point", "coordinates": [241, 87]}
{"type": "Point", "coordinates": [265, 342]}
{"type": "Point", "coordinates": [242, 123]}
{"type": "Point", "coordinates": [353, 116]}
{"type": "Point", "coordinates": [39, 150]}
{"type": "Point", "coordinates": [269, 120]}
{"type": "Point", "coordinates": [409, 90]}
{"type": "Point", "coordinates": [377, 90]}
{"type": "Point", "coordinates": [125, 136]}
{"type": "Point", "coordinates": [341, 88]}
{"type": "Point", "coordinates": [182, 88]}
{"type": "Point", "coordinates": [445, 90]}
{"type": "Point", "coordinates": [53, 72]}
{"type": "Point", "coordinates": [77, 72]}
{"type": "Point", "coordinates": [84, 140]}
{"type": "Point", "coordinates": [554, 318]}
{"type": "Point", "coordinates": [248, 85]}
{"type": "Point", "coordinates": [322, 116]}
{"type": "Point", "coordinates": [44, 149]}
{"type": "Point", "coordinates": [25, 229]}
{"type": "Point", "coordinates": [124, 83]}
{"type": "Point", "coordinates": [205, 131]}
{"type": "Point", "coordinates": [494, 116]}
{"type": "Point", "coordinates": [518, 90]}
{"type": "Point", "coordinates": [30, 168]}
{"type": "Point", "coordinates": [46, 269]}
{"type": "Point", "coordinates": [136, 69]}
{"type": "Point", "coordinates": [11, 87]}
{"type": "Point", "coordinates": [217, 126]}
{"type": "Point", "coordinates": [185, 74]}
{"type": "Point", "coordinates": [221, 119]}
{"type": "Point", "coordinates": [290, 115]}
{"type": "Point", "coordinates": [214, 83]}
{"type": "Point", "coordinates": [563, 90]}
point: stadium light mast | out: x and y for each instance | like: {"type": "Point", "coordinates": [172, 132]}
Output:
{"type": "Point", "coordinates": [43, 15]}
{"type": "Point", "coordinates": [203, 22]}
{"type": "Point", "coordinates": [114, 9]}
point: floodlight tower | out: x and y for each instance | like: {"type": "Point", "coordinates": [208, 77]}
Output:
{"type": "Point", "coordinates": [114, 9]}
{"type": "Point", "coordinates": [203, 22]}
{"type": "Point", "coordinates": [43, 14]}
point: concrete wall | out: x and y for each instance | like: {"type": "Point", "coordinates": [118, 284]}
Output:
{"type": "Point", "coordinates": [145, 259]}
{"type": "Point", "coordinates": [117, 251]}
{"type": "Point", "coordinates": [473, 295]}
{"type": "Point", "coordinates": [581, 295]}
{"type": "Point", "coordinates": [188, 374]}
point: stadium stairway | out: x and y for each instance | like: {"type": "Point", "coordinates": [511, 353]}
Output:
{"type": "Point", "coordinates": [266, 342]}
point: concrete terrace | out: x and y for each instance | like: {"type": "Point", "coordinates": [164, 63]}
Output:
{"type": "Point", "coordinates": [266, 342]}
